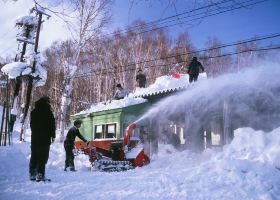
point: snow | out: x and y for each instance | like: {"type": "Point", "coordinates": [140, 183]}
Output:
{"type": "Point", "coordinates": [114, 104]}
{"type": "Point", "coordinates": [245, 169]}
{"type": "Point", "coordinates": [161, 84]}
{"type": "Point", "coordinates": [28, 20]}
{"type": "Point", "coordinates": [133, 153]}
{"type": "Point", "coordinates": [16, 69]}
{"type": "Point", "coordinates": [165, 83]}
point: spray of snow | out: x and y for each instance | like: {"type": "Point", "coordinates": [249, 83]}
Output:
{"type": "Point", "coordinates": [253, 95]}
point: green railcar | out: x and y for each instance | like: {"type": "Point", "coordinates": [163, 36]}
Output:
{"type": "Point", "coordinates": [108, 124]}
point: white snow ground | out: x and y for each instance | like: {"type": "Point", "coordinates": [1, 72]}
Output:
{"type": "Point", "coordinates": [246, 169]}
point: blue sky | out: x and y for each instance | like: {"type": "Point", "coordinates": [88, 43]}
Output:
{"type": "Point", "coordinates": [261, 19]}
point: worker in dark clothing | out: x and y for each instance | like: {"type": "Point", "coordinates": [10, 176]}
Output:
{"type": "Point", "coordinates": [175, 140]}
{"type": "Point", "coordinates": [193, 69]}
{"type": "Point", "coordinates": [42, 125]}
{"type": "Point", "coordinates": [69, 144]}
{"type": "Point", "coordinates": [141, 79]}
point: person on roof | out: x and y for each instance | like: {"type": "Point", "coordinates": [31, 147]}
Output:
{"type": "Point", "coordinates": [69, 144]}
{"type": "Point", "coordinates": [141, 79]}
{"type": "Point", "coordinates": [120, 92]}
{"type": "Point", "coordinates": [193, 69]}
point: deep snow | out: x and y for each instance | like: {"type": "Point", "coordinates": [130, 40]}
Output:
{"type": "Point", "coordinates": [246, 169]}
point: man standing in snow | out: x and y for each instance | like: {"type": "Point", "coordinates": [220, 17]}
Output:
{"type": "Point", "coordinates": [42, 125]}
{"type": "Point", "coordinates": [69, 144]}
{"type": "Point", "coordinates": [141, 79]}
{"type": "Point", "coordinates": [193, 69]}
{"type": "Point", "coordinates": [120, 93]}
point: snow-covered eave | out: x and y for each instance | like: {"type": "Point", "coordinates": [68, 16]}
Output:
{"type": "Point", "coordinates": [164, 91]}
{"type": "Point", "coordinates": [114, 106]}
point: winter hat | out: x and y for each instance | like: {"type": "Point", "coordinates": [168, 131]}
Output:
{"type": "Point", "coordinates": [45, 100]}
{"type": "Point", "coordinates": [77, 121]}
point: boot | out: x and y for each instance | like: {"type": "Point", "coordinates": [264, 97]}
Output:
{"type": "Point", "coordinates": [72, 169]}
{"type": "Point", "coordinates": [39, 177]}
{"type": "Point", "coordinates": [32, 177]}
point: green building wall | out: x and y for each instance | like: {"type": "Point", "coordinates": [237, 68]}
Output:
{"type": "Point", "coordinates": [121, 116]}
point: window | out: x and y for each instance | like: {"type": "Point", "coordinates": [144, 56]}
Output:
{"type": "Point", "coordinates": [98, 132]}
{"type": "Point", "coordinates": [111, 131]}
{"type": "Point", "coordinates": [105, 131]}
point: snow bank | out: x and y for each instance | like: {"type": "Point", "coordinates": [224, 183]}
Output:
{"type": "Point", "coordinates": [246, 169]}
{"type": "Point", "coordinates": [255, 145]}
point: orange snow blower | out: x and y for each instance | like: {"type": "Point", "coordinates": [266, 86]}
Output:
{"type": "Point", "coordinates": [113, 154]}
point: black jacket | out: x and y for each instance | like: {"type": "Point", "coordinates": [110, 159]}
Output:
{"type": "Point", "coordinates": [42, 124]}
{"type": "Point", "coordinates": [194, 67]}
{"type": "Point", "coordinates": [72, 134]}
{"type": "Point", "coordinates": [141, 79]}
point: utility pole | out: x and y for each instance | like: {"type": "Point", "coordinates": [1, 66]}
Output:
{"type": "Point", "coordinates": [40, 13]}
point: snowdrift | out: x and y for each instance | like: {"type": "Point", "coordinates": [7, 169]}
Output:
{"type": "Point", "coordinates": [248, 168]}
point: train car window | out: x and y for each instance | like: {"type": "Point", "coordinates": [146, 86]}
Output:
{"type": "Point", "coordinates": [98, 132]}
{"type": "Point", "coordinates": [111, 131]}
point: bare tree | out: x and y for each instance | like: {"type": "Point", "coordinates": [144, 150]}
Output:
{"type": "Point", "coordinates": [245, 57]}
{"type": "Point", "coordinates": [215, 62]}
{"type": "Point", "coordinates": [91, 16]}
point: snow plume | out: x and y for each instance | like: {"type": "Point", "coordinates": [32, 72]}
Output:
{"type": "Point", "coordinates": [252, 96]}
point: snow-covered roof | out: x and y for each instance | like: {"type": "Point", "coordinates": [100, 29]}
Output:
{"type": "Point", "coordinates": [162, 84]}
{"type": "Point", "coordinates": [114, 104]}
{"type": "Point", "coordinates": [165, 84]}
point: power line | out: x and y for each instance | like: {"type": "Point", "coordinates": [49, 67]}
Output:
{"type": "Point", "coordinates": [231, 8]}
{"type": "Point", "coordinates": [197, 51]}
{"type": "Point", "coordinates": [173, 63]}
{"type": "Point", "coordinates": [245, 51]}
{"type": "Point", "coordinates": [152, 23]}
{"type": "Point", "coordinates": [10, 47]}
{"type": "Point", "coordinates": [203, 17]}
{"type": "Point", "coordinates": [6, 33]}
